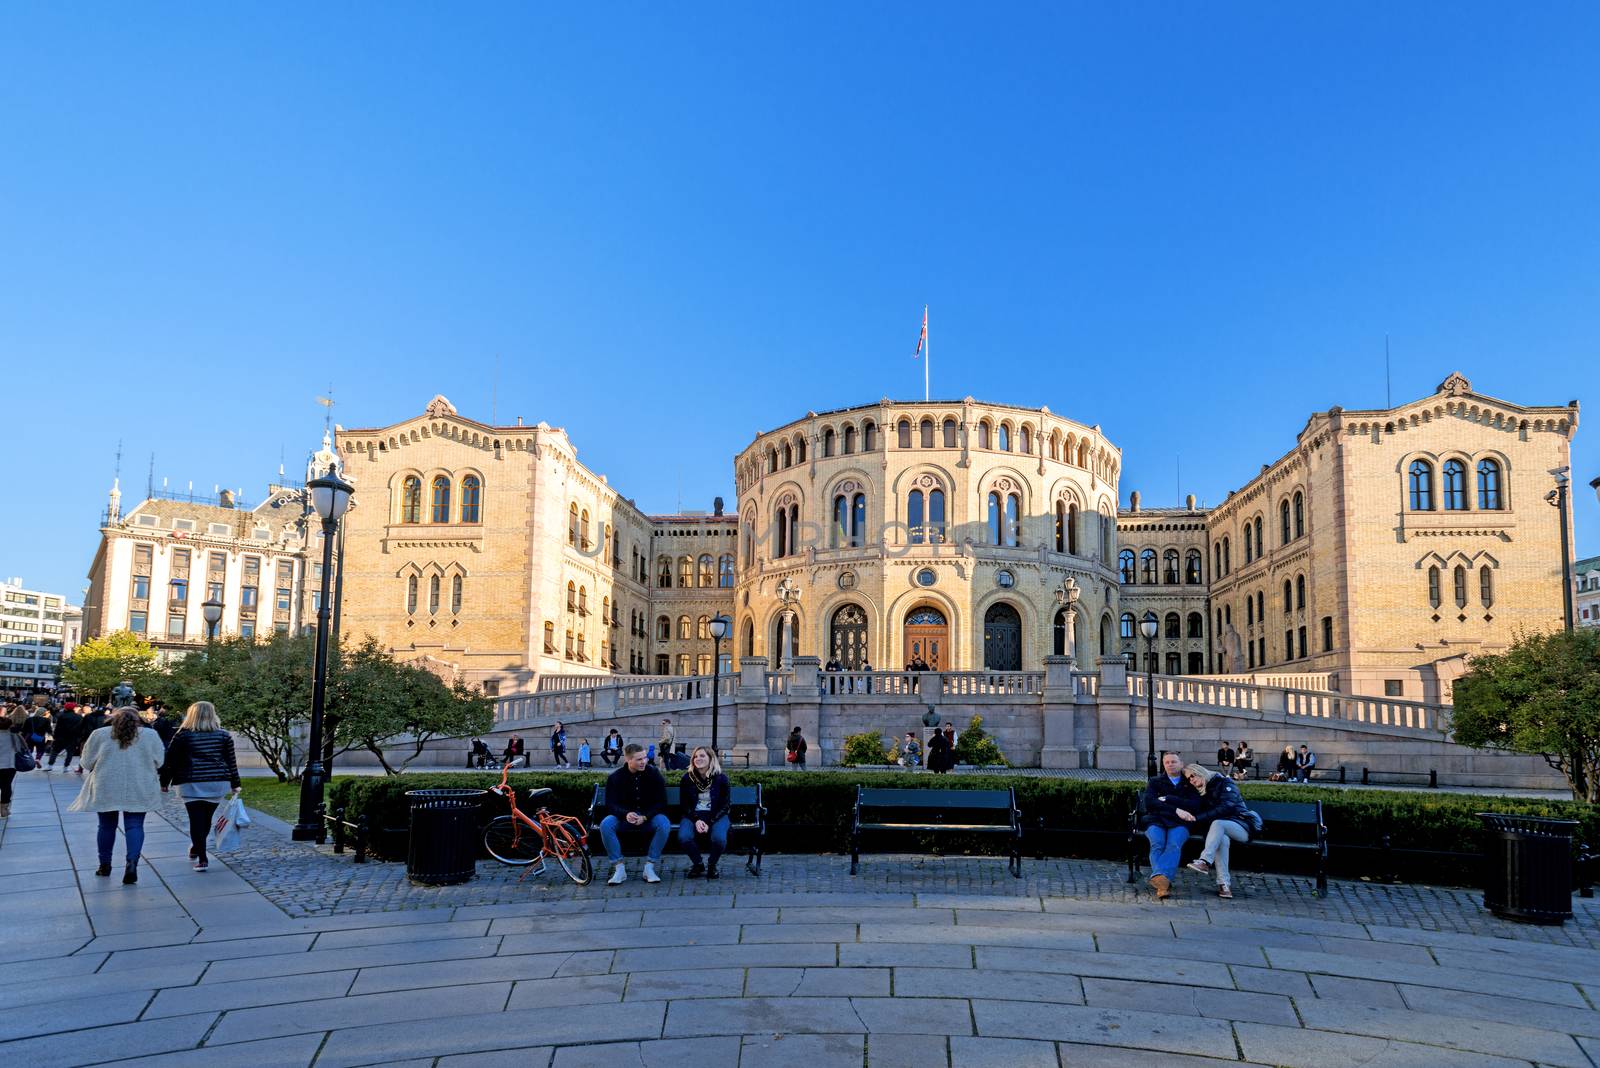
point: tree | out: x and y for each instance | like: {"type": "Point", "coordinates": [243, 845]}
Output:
{"type": "Point", "coordinates": [380, 702]}
{"type": "Point", "coordinates": [976, 747]}
{"type": "Point", "coordinates": [1542, 696]}
{"type": "Point", "coordinates": [262, 690]}
{"type": "Point", "coordinates": [864, 748]}
{"type": "Point", "coordinates": [97, 665]}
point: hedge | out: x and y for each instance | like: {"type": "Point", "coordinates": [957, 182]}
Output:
{"type": "Point", "coordinates": [1433, 837]}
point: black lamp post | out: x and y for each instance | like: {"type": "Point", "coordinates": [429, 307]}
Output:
{"type": "Point", "coordinates": [1148, 627]}
{"type": "Point", "coordinates": [719, 630]}
{"type": "Point", "coordinates": [211, 609]}
{"type": "Point", "coordinates": [330, 497]}
{"type": "Point", "coordinates": [1558, 497]}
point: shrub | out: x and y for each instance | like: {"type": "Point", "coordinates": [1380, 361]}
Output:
{"type": "Point", "coordinates": [864, 748]}
{"type": "Point", "coordinates": [977, 748]}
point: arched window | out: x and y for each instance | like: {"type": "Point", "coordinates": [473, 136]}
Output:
{"type": "Point", "coordinates": [471, 496]}
{"type": "Point", "coordinates": [1216, 565]}
{"type": "Point", "coordinates": [1169, 567]}
{"type": "Point", "coordinates": [1248, 543]}
{"type": "Point", "coordinates": [983, 434]}
{"type": "Point", "coordinates": [772, 459]}
{"type": "Point", "coordinates": [583, 530]}
{"type": "Point", "coordinates": [1061, 526]}
{"type": "Point", "coordinates": [1300, 592]}
{"type": "Point", "coordinates": [1461, 586]}
{"type": "Point", "coordinates": [1421, 478]}
{"type": "Point", "coordinates": [725, 571]}
{"type": "Point", "coordinates": [1003, 438]}
{"type": "Point", "coordinates": [1197, 624]}
{"type": "Point", "coordinates": [1455, 486]}
{"type": "Point", "coordinates": [949, 433]}
{"type": "Point", "coordinates": [1105, 635]}
{"type": "Point", "coordinates": [827, 442]}
{"type": "Point", "coordinates": [858, 520]}
{"type": "Point", "coordinates": [572, 596]}
{"type": "Point", "coordinates": [869, 436]}
{"type": "Point", "coordinates": [1191, 568]}
{"type": "Point", "coordinates": [1261, 541]}
{"type": "Point", "coordinates": [433, 595]}
{"type": "Point", "coordinates": [1261, 606]}
{"type": "Point", "coordinates": [1174, 664]}
{"type": "Point", "coordinates": [685, 628]}
{"type": "Point", "coordinates": [1013, 518]}
{"type": "Point", "coordinates": [1072, 529]}
{"type": "Point", "coordinates": [549, 637]}
{"type": "Point", "coordinates": [583, 600]}
{"type": "Point", "coordinates": [800, 450]}
{"type": "Point", "coordinates": [1249, 611]}
{"type": "Point", "coordinates": [904, 429]}
{"type": "Point", "coordinates": [849, 440]}
{"type": "Point", "coordinates": [1026, 437]}
{"type": "Point", "coordinates": [925, 433]}
{"type": "Point", "coordinates": [572, 523]}
{"type": "Point", "coordinates": [663, 628]}
{"type": "Point", "coordinates": [702, 628]}
{"type": "Point", "coordinates": [1435, 597]}
{"type": "Point", "coordinates": [1489, 485]}
{"type": "Point", "coordinates": [1127, 625]}
{"type": "Point", "coordinates": [1147, 567]}
{"type": "Point", "coordinates": [788, 455]}
{"type": "Point", "coordinates": [936, 516]}
{"type": "Point", "coordinates": [1299, 514]}
{"type": "Point", "coordinates": [781, 532]}
{"type": "Point", "coordinates": [914, 516]}
{"type": "Point", "coordinates": [411, 595]}
{"type": "Point", "coordinates": [1283, 522]}
{"type": "Point", "coordinates": [1107, 529]}
{"type": "Point", "coordinates": [1486, 586]}
{"type": "Point", "coordinates": [708, 572]}
{"type": "Point", "coordinates": [685, 572]}
{"type": "Point", "coordinates": [411, 500]}
{"type": "Point", "coordinates": [1125, 565]}
{"type": "Point", "coordinates": [1172, 626]}
{"type": "Point", "coordinates": [1227, 557]}
{"type": "Point", "coordinates": [840, 532]}
{"type": "Point", "coordinates": [994, 518]}
{"type": "Point", "coordinates": [455, 595]}
{"type": "Point", "coordinates": [664, 572]}
{"type": "Point", "coordinates": [1288, 596]}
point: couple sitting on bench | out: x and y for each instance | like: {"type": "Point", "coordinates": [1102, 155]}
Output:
{"type": "Point", "coordinates": [636, 802]}
{"type": "Point", "coordinates": [1186, 797]}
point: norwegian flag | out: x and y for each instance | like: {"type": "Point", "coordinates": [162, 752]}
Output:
{"type": "Point", "coordinates": [922, 339]}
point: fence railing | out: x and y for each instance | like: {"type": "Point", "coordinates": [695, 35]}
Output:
{"type": "Point", "coordinates": [655, 690]}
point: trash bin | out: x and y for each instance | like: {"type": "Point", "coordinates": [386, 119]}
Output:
{"type": "Point", "coordinates": [444, 836]}
{"type": "Point", "coordinates": [1527, 867]}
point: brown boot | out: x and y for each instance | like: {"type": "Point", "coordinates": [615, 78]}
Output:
{"type": "Point", "coordinates": [1163, 886]}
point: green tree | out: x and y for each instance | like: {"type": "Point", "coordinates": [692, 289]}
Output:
{"type": "Point", "coordinates": [1542, 696]}
{"type": "Point", "coordinates": [864, 748]}
{"type": "Point", "coordinates": [976, 747]}
{"type": "Point", "coordinates": [262, 690]}
{"type": "Point", "coordinates": [383, 705]}
{"type": "Point", "coordinates": [97, 665]}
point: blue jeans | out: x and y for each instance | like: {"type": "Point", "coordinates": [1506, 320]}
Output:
{"type": "Point", "coordinates": [659, 827]}
{"type": "Point", "coordinates": [1166, 848]}
{"type": "Point", "coordinates": [132, 828]}
{"type": "Point", "coordinates": [691, 844]}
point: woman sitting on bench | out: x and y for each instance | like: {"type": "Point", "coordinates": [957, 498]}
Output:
{"type": "Point", "coordinates": [1223, 805]}
{"type": "Point", "coordinates": [705, 798]}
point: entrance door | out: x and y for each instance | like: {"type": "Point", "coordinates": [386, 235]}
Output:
{"type": "Point", "coordinates": [847, 642]}
{"type": "Point", "coordinates": [927, 635]}
{"type": "Point", "coordinates": [1002, 638]}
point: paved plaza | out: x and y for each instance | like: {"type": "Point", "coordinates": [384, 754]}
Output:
{"type": "Point", "coordinates": [286, 955]}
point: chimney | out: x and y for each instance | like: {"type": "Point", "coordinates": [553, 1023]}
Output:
{"type": "Point", "coordinates": [1133, 501]}
{"type": "Point", "coordinates": [716, 506]}
{"type": "Point", "coordinates": [1188, 502]}
{"type": "Point", "coordinates": [226, 498]}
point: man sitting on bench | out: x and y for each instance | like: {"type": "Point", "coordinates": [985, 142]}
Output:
{"type": "Point", "coordinates": [636, 801]}
{"type": "Point", "coordinates": [1164, 797]}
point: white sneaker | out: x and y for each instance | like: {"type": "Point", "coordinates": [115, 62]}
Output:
{"type": "Point", "coordinates": [650, 875]}
{"type": "Point", "coordinates": [619, 875]}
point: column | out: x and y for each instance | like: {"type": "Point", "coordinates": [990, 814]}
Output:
{"type": "Point", "coordinates": [805, 707]}
{"type": "Point", "coordinates": [749, 711]}
{"type": "Point", "coordinates": [1114, 748]}
{"type": "Point", "coordinates": [1060, 748]}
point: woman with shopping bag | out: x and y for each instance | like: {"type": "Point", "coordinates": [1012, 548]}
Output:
{"type": "Point", "coordinates": [121, 764]}
{"type": "Point", "coordinates": [200, 761]}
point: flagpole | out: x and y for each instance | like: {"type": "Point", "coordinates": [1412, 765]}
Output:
{"type": "Point", "coordinates": [927, 354]}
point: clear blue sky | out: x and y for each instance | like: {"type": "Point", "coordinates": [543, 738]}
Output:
{"type": "Point", "coordinates": [678, 225]}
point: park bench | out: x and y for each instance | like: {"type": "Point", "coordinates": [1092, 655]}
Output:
{"type": "Point", "coordinates": [938, 812]}
{"type": "Point", "coordinates": [1296, 826]}
{"type": "Point", "coordinates": [747, 824]}
{"type": "Point", "coordinates": [1370, 776]}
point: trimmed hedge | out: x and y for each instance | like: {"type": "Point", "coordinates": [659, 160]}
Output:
{"type": "Point", "coordinates": [810, 812]}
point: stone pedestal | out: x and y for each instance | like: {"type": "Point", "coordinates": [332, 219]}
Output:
{"type": "Point", "coordinates": [750, 712]}
{"type": "Point", "coordinates": [1060, 748]}
{"type": "Point", "coordinates": [805, 708]}
{"type": "Point", "coordinates": [1114, 746]}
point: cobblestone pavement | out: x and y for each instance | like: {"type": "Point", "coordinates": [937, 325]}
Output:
{"type": "Point", "coordinates": [268, 960]}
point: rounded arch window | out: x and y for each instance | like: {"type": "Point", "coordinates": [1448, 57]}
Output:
{"type": "Point", "coordinates": [471, 498]}
{"type": "Point", "coordinates": [411, 500]}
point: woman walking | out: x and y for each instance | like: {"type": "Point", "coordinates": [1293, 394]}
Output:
{"type": "Point", "coordinates": [12, 746]}
{"type": "Point", "coordinates": [796, 747]}
{"type": "Point", "coordinates": [705, 798]}
{"type": "Point", "coordinates": [1222, 805]}
{"type": "Point", "coordinates": [201, 762]}
{"type": "Point", "coordinates": [122, 765]}
{"type": "Point", "coordinates": [558, 745]}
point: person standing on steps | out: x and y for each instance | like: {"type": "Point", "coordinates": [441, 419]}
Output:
{"type": "Point", "coordinates": [200, 761]}
{"type": "Point", "coordinates": [12, 746]}
{"type": "Point", "coordinates": [636, 802]}
{"type": "Point", "coordinates": [705, 799]}
{"type": "Point", "coordinates": [122, 765]}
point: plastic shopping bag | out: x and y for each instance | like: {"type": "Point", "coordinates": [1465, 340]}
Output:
{"type": "Point", "coordinates": [225, 828]}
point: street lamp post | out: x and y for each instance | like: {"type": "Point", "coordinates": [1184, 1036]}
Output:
{"type": "Point", "coordinates": [212, 611]}
{"type": "Point", "coordinates": [1148, 627]}
{"type": "Point", "coordinates": [719, 631]}
{"type": "Point", "coordinates": [330, 496]}
{"type": "Point", "coordinates": [1558, 498]}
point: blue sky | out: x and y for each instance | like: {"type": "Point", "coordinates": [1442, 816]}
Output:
{"type": "Point", "coordinates": [674, 226]}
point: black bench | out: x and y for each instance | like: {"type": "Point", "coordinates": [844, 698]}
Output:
{"type": "Point", "coordinates": [1293, 825]}
{"type": "Point", "coordinates": [938, 812]}
{"type": "Point", "coordinates": [747, 824]}
{"type": "Point", "coordinates": [1369, 776]}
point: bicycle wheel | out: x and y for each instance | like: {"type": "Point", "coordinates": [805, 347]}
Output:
{"type": "Point", "coordinates": [511, 842]}
{"type": "Point", "coordinates": [572, 854]}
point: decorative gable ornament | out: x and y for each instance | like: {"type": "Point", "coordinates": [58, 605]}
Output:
{"type": "Point", "coordinates": [1455, 386]}
{"type": "Point", "coordinates": [440, 406]}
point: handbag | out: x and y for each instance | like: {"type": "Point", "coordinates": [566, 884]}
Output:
{"type": "Point", "coordinates": [24, 761]}
{"type": "Point", "coordinates": [790, 756]}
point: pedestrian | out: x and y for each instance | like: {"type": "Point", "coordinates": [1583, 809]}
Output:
{"type": "Point", "coordinates": [97, 718]}
{"type": "Point", "coordinates": [12, 745]}
{"type": "Point", "coordinates": [940, 759]}
{"type": "Point", "coordinates": [866, 669]}
{"type": "Point", "coordinates": [68, 739]}
{"type": "Point", "coordinates": [201, 762]}
{"type": "Point", "coordinates": [123, 774]}
{"type": "Point", "coordinates": [558, 746]}
{"type": "Point", "coordinates": [38, 732]}
{"type": "Point", "coordinates": [1223, 807]}
{"type": "Point", "coordinates": [665, 745]}
{"type": "Point", "coordinates": [611, 748]}
{"type": "Point", "coordinates": [584, 755]}
{"type": "Point", "coordinates": [795, 748]}
{"type": "Point", "coordinates": [705, 800]}
{"type": "Point", "coordinates": [164, 723]}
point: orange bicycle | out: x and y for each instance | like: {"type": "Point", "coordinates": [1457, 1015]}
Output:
{"type": "Point", "coordinates": [518, 840]}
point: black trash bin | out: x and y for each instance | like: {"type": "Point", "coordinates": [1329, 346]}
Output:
{"type": "Point", "coordinates": [444, 836]}
{"type": "Point", "coordinates": [1527, 867]}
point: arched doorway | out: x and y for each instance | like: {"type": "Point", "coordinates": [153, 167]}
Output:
{"type": "Point", "coordinates": [748, 646]}
{"type": "Point", "coordinates": [927, 636]}
{"type": "Point", "coordinates": [847, 637]}
{"type": "Point", "coordinates": [1002, 638]}
{"type": "Point", "coordinates": [1058, 642]}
